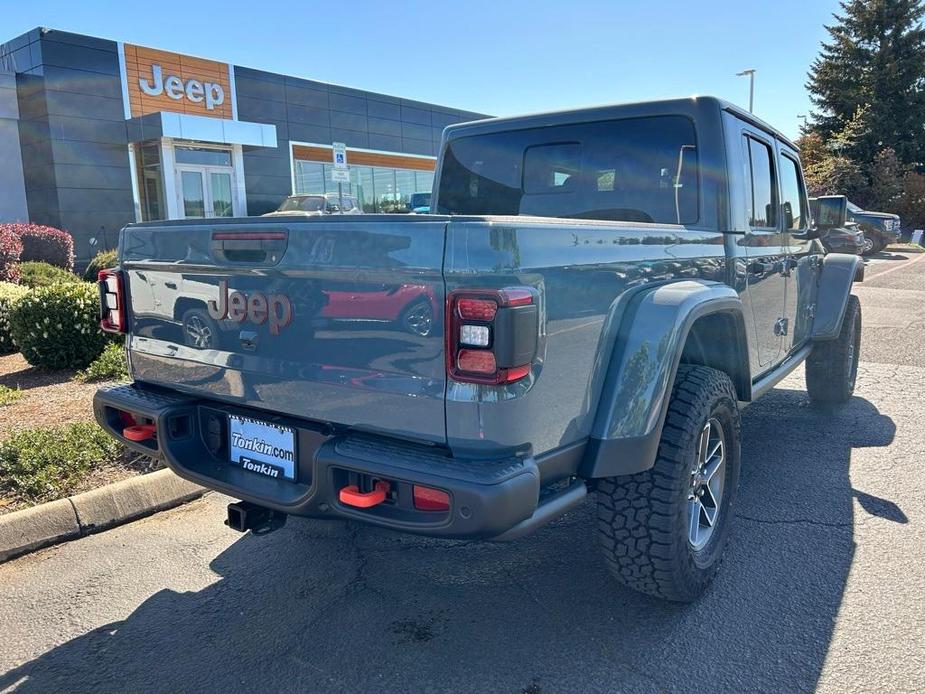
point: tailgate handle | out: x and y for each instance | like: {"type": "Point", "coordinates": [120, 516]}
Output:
{"type": "Point", "coordinates": [260, 247]}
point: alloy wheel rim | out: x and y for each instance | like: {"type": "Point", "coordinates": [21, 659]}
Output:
{"type": "Point", "coordinates": [705, 493]}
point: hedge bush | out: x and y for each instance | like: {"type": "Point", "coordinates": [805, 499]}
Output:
{"type": "Point", "coordinates": [10, 254]}
{"type": "Point", "coordinates": [9, 293]}
{"type": "Point", "coordinates": [45, 463]}
{"type": "Point", "coordinates": [33, 274]}
{"type": "Point", "coordinates": [44, 244]}
{"type": "Point", "coordinates": [101, 261]}
{"type": "Point", "coordinates": [58, 326]}
{"type": "Point", "coordinates": [109, 366]}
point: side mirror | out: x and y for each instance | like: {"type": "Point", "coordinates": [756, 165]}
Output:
{"type": "Point", "coordinates": [829, 212]}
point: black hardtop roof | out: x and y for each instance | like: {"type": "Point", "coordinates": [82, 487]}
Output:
{"type": "Point", "coordinates": [691, 106]}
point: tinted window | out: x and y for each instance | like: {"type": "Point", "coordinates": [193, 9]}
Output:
{"type": "Point", "coordinates": [551, 168]}
{"type": "Point", "coordinates": [761, 211]}
{"type": "Point", "coordinates": [636, 170]}
{"type": "Point", "coordinates": [794, 205]}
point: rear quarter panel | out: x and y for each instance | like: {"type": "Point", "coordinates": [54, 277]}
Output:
{"type": "Point", "coordinates": [584, 274]}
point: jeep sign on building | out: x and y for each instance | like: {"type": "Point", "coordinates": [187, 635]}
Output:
{"type": "Point", "coordinates": [96, 133]}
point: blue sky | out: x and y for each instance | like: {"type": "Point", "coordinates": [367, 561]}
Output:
{"type": "Point", "coordinates": [501, 57]}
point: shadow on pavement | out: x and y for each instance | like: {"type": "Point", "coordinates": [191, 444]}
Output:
{"type": "Point", "coordinates": [328, 607]}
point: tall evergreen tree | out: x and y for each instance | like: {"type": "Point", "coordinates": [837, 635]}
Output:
{"type": "Point", "coordinates": [874, 63]}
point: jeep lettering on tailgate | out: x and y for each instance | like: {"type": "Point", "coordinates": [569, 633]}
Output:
{"type": "Point", "coordinates": [256, 308]}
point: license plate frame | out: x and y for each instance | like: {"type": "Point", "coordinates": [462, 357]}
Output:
{"type": "Point", "coordinates": [263, 448]}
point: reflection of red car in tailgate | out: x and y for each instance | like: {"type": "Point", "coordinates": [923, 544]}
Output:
{"type": "Point", "coordinates": [412, 306]}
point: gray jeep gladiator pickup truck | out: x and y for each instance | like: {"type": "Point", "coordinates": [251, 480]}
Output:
{"type": "Point", "coordinates": [602, 291]}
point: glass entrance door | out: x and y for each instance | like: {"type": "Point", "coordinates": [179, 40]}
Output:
{"type": "Point", "coordinates": [205, 192]}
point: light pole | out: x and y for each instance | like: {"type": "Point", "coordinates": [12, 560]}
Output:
{"type": "Point", "coordinates": [804, 118]}
{"type": "Point", "coordinates": [751, 87]}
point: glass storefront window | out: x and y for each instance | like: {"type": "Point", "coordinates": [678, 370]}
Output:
{"type": "Point", "coordinates": [384, 183]}
{"type": "Point", "coordinates": [220, 186]}
{"type": "Point", "coordinates": [376, 188]}
{"type": "Point", "coordinates": [150, 181]}
{"type": "Point", "coordinates": [202, 155]}
{"type": "Point", "coordinates": [405, 187]}
{"type": "Point", "coordinates": [193, 199]}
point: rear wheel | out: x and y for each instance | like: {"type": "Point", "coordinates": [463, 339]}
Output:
{"type": "Point", "coordinates": [832, 367]}
{"type": "Point", "coordinates": [664, 531]}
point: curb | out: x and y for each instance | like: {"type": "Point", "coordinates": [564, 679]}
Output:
{"type": "Point", "coordinates": [32, 528]}
{"type": "Point", "coordinates": [904, 248]}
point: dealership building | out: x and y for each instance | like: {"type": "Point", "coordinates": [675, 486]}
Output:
{"type": "Point", "coordinates": [97, 133]}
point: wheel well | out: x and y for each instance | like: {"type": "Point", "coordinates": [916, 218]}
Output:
{"type": "Point", "coordinates": [718, 340]}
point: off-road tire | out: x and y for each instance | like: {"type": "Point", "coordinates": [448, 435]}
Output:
{"type": "Point", "coordinates": [832, 366]}
{"type": "Point", "coordinates": [643, 520]}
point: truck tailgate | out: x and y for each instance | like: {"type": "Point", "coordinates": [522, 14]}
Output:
{"type": "Point", "coordinates": [333, 319]}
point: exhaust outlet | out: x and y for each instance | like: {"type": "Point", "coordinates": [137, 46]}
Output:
{"type": "Point", "coordinates": [244, 516]}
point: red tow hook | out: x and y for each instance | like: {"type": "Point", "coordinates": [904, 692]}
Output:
{"type": "Point", "coordinates": [140, 432]}
{"type": "Point", "coordinates": [352, 496]}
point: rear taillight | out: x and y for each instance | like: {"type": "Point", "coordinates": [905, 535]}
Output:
{"type": "Point", "coordinates": [112, 301]}
{"type": "Point", "coordinates": [491, 335]}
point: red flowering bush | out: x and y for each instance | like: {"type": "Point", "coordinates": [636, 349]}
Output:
{"type": "Point", "coordinates": [10, 254]}
{"type": "Point", "coordinates": [44, 244]}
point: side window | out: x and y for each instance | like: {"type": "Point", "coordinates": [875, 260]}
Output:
{"type": "Point", "coordinates": [793, 202]}
{"type": "Point", "coordinates": [762, 210]}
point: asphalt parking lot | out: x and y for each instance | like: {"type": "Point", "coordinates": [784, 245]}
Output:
{"type": "Point", "coordinates": [823, 588]}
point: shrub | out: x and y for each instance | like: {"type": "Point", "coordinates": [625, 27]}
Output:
{"type": "Point", "coordinates": [58, 326]}
{"type": "Point", "coordinates": [109, 366]}
{"type": "Point", "coordinates": [45, 463]}
{"type": "Point", "coordinates": [45, 244]}
{"type": "Point", "coordinates": [101, 261]}
{"type": "Point", "coordinates": [10, 254]}
{"type": "Point", "coordinates": [9, 395]}
{"type": "Point", "coordinates": [9, 293]}
{"type": "Point", "coordinates": [34, 274]}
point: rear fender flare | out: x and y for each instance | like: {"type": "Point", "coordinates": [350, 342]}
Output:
{"type": "Point", "coordinates": [650, 342]}
{"type": "Point", "coordinates": [839, 272]}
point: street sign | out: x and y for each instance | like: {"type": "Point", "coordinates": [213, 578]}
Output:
{"type": "Point", "coordinates": [340, 156]}
{"type": "Point", "coordinates": [341, 172]}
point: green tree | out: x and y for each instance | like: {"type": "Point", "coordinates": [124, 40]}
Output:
{"type": "Point", "coordinates": [874, 65]}
{"type": "Point", "coordinates": [886, 180]}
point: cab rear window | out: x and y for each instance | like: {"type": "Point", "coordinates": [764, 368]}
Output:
{"type": "Point", "coordinates": [634, 170]}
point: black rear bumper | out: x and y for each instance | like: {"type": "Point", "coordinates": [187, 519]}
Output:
{"type": "Point", "coordinates": [488, 498]}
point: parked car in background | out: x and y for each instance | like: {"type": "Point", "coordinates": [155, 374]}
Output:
{"type": "Point", "coordinates": [848, 239]}
{"type": "Point", "coordinates": [841, 238]}
{"type": "Point", "coordinates": [420, 203]}
{"type": "Point", "coordinates": [880, 228]}
{"type": "Point", "coordinates": [316, 205]}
